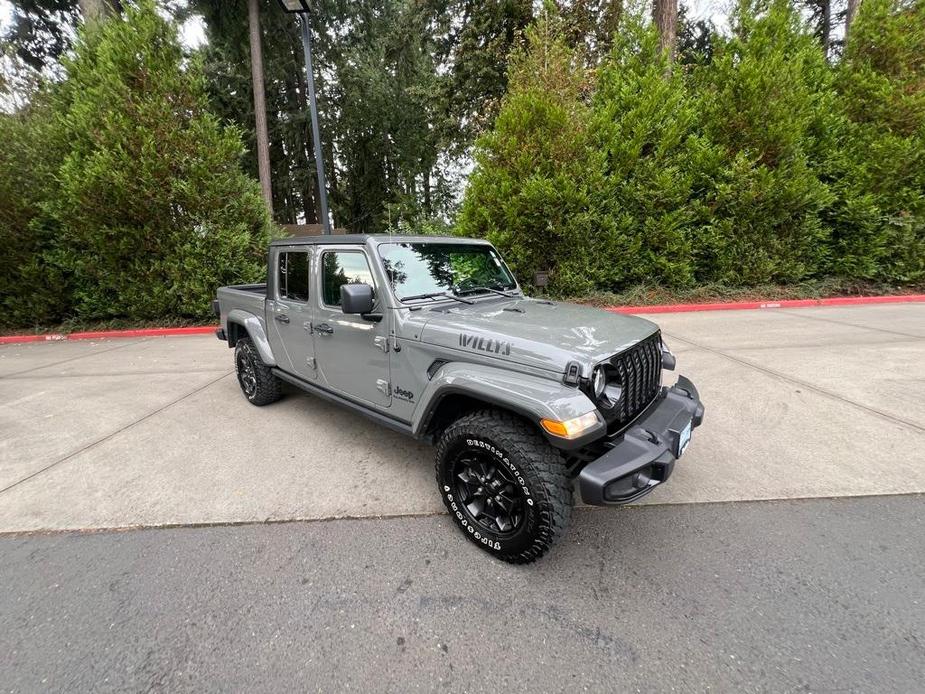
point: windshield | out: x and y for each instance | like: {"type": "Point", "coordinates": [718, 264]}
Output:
{"type": "Point", "coordinates": [420, 269]}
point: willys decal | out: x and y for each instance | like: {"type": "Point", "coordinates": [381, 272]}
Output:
{"type": "Point", "coordinates": [485, 344]}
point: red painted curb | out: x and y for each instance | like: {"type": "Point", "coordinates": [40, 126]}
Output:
{"type": "Point", "coordinates": [107, 334]}
{"type": "Point", "coordinates": [144, 332]}
{"type": "Point", "coordinates": [784, 303]}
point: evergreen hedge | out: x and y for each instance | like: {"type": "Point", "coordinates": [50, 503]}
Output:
{"type": "Point", "coordinates": [141, 208]}
{"type": "Point", "coordinates": [760, 163]}
{"type": "Point", "coordinates": [122, 197]}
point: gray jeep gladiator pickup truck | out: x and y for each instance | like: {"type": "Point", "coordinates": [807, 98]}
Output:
{"type": "Point", "coordinates": [432, 337]}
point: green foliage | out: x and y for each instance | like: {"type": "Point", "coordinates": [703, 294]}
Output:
{"type": "Point", "coordinates": [766, 102]}
{"type": "Point", "coordinates": [403, 88]}
{"type": "Point", "coordinates": [146, 211]}
{"type": "Point", "coordinates": [536, 191]}
{"type": "Point", "coordinates": [644, 124]}
{"type": "Point", "coordinates": [29, 158]}
{"type": "Point", "coordinates": [753, 161]}
{"type": "Point", "coordinates": [879, 221]}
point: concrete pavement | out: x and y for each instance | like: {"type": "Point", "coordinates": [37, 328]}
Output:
{"type": "Point", "coordinates": [809, 596]}
{"type": "Point", "coordinates": [812, 402]}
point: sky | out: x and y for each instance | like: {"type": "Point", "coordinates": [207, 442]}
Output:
{"type": "Point", "coordinates": [715, 10]}
{"type": "Point", "coordinates": [192, 33]}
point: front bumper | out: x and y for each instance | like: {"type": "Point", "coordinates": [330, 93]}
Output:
{"type": "Point", "coordinates": [645, 455]}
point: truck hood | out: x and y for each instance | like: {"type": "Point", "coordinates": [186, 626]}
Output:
{"type": "Point", "coordinates": [542, 334]}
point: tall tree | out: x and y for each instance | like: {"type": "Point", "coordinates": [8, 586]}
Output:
{"type": "Point", "coordinates": [695, 38]}
{"type": "Point", "coordinates": [767, 102]}
{"type": "Point", "coordinates": [825, 25]}
{"type": "Point", "coordinates": [404, 87]}
{"type": "Point", "coordinates": [538, 185]}
{"type": "Point", "coordinates": [880, 228]}
{"type": "Point", "coordinates": [260, 103]}
{"type": "Point", "coordinates": [590, 25]}
{"type": "Point", "coordinates": [230, 82]}
{"type": "Point", "coordinates": [151, 211]}
{"type": "Point", "coordinates": [665, 16]}
{"type": "Point", "coordinates": [823, 16]}
{"type": "Point", "coordinates": [474, 39]}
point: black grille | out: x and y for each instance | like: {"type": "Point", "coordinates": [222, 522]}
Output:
{"type": "Point", "coordinates": [639, 371]}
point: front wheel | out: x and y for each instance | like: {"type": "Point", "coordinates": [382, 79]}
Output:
{"type": "Point", "coordinates": [503, 484]}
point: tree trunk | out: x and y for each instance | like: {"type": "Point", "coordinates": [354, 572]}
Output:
{"type": "Point", "coordinates": [260, 104]}
{"type": "Point", "coordinates": [94, 11]}
{"type": "Point", "coordinates": [825, 25]}
{"type": "Point", "coordinates": [852, 12]}
{"type": "Point", "coordinates": [665, 16]}
{"type": "Point", "coordinates": [428, 204]}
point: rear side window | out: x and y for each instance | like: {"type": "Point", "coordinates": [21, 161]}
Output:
{"type": "Point", "coordinates": [339, 268]}
{"type": "Point", "coordinates": [293, 276]}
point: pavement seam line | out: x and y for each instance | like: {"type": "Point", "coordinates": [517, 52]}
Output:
{"type": "Point", "coordinates": [811, 345]}
{"type": "Point", "coordinates": [804, 384]}
{"type": "Point", "coordinates": [112, 434]}
{"type": "Point", "coordinates": [199, 525]}
{"type": "Point", "coordinates": [166, 372]}
{"type": "Point", "coordinates": [853, 325]}
{"type": "Point", "coordinates": [79, 356]}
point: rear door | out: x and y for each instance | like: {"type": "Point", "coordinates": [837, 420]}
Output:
{"type": "Point", "coordinates": [289, 311]}
{"type": "Point", "coordinates": [352, 352]}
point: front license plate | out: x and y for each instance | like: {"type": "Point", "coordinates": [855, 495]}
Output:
{"type": "Point", "coordinates": [684, 438]}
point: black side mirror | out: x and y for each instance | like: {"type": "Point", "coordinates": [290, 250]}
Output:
{"type": "Point", "coordinates": [356, 298]}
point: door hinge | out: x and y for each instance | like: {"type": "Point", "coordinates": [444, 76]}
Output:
{"type": "Point", "coordinates": [311, 362]}
{"type": "Point", "coordinates": [381, 342]}
{"type": "Point", "coordinates": [384, 387]}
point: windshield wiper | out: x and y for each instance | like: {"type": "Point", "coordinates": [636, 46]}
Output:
{"type": "Point", "coordinates": [435, 295]}
{"type": "Point", "coordinates": [493, 290]}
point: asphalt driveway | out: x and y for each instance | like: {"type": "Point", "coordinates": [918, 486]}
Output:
{"type": "Point", "coordinates": [779, 587]}
{"type": "Point", "coordinates": [819, 595]}
{"type": "Point", "coordinates": [818, 402]}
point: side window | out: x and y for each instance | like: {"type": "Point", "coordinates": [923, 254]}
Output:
{"type": "Point", "coordinates": [293, 276]}
{"type": "Point", "coordinates": [339, 268]}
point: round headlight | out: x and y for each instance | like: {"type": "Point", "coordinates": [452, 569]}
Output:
{"type": "Point", "coordinates": [598, 381]}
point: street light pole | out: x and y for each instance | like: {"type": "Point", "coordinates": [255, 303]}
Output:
{"type": "Point", "coordinates": [316, 133]}
{"type": "Point", "coordinates": [301, 8]}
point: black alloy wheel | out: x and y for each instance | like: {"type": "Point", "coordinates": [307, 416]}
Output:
{"type": "Point", "coordinates": [247, 374]}
{"type": "Point", "coordinates": [489, 493]}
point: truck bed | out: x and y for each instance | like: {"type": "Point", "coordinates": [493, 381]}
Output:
{"type": "Point", "coordinates": [260, 289]}
{"type": "Point", "coordinates": [249, 297]}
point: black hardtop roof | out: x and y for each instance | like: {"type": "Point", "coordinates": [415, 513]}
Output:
{"type": "Point", "coordinates": [360, 239]}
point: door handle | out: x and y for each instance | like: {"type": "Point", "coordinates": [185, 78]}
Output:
{"type": "Point", "coordinates": [324, 329]}
{"type": "Point", "coordinates": [282, 318]}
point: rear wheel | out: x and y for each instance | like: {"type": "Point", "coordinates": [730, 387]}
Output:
{"type": "Point", "coordinates": [503, 484]}
{"type": "Point", "coordinates": [257, 381]}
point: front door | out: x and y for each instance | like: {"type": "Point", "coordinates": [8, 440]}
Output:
{"type": "Point", "coordinates": [351, 352]}
{"type": "Point", "coordinates": [290, 313]}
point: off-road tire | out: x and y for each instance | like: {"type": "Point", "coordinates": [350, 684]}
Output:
{"type": "Point", "coordinates": [513, 445]}
{"type": "Point", "coordinates": [267, 388]}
